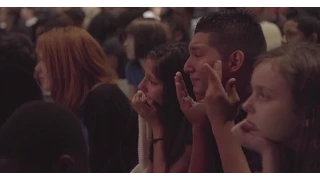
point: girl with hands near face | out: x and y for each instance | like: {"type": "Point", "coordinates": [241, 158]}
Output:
{"type": "Point", "coordinates": [164, 132]}
{"type": "Point", "coordinates": [149, 112]}
{"type": "Point", "coordinates": [222, 105]}
{"type": "Point", "coordinates": [282, 122]}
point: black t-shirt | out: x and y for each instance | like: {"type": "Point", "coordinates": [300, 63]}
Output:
{"type": "Point", "coordinates": [185, 136]}
{"type": "Point", "coordinates": [112, 130]}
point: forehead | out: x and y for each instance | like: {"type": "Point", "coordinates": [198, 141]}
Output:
{"type": "Point", "coordinates": [267, 75]}
{"type": "Point", "coordinates": [199, 39]}
{"type": "Point", "coordinates": [149, 66]}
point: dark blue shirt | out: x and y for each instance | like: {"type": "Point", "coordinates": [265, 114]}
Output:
{"type": "Point", "coordinates": [134, 73]}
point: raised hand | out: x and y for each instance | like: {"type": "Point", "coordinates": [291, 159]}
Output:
{"type": "Point", "coordinates": [149, 112]}
{"type": "Point", "coordinates": [193, 110]}
{"type": "Point", "coordinates": [221, 105]}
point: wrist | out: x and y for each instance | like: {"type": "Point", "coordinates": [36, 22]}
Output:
{"type": "Point", "coordinates": [157, 131]}
{"type": "Point", "coordinates": [270, 151]}
{"type": "Point", "coordinates": [200, 123]}
{"type": "Point", "coordinates": [221, 124]}
{"type": "Point", "coordinates": [222, 128]}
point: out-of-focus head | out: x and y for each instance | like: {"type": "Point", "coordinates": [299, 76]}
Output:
{"type": "Point", "coordinates": [17, 87]}
{"type": "Point", "coordinates": [70, 63]}
{"type": "Point", "coordinates": [43, 137]}
{"type": "Point", "coordinates": [143, 35]}
{"type": "Point", "coordinates": [302, 25]}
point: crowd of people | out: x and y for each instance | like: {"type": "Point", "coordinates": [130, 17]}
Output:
{"type": "Point", "coordinates": [159, 90]}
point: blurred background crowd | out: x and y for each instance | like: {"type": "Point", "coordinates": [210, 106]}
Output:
{"type": "Point", "coordinates": [109, 26]}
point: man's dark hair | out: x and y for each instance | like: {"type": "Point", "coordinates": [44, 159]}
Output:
{"type": "Point", "coordinates": [233, 30]}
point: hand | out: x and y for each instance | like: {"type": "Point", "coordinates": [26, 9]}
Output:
{"type": "Point", "coordinates": [194, 111]}
{"type": "Point", "coordinates": [221, 105]}
{"type": "Point", "coordinates": [249, 137]}
{"type": "Point", "coordinates": [149, 112]}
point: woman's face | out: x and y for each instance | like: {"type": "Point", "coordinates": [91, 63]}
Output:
{"type": "Point", "coordinates": [151, 86]}
{"type": "Point", "coordinates": [41, 74]}
{"type": "Point", "coordinates": [271, 105]}
{"type": "Point", "coordinates": [129, 47]}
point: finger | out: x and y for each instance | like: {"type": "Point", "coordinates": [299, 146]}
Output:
{"type": "Point", "coordinates": [179, 92]}
{"type": "Point", "coordinates": [213, 81]}
{"type": "Point", "coordinates": [137, 98]}
{"type": "Point", "coordinates": [134, 98]}
{"type": "Point", "coordinates": [247, 126]}
{"type": "Point", "coordinates": [188, 101]}
{"type": "Point", "coordinates": [218, 68]}
{"type": "Point", "coordinates": [213, 76]}
{"type": "Point", "coordinates": [154, 106]}
{"type": "Point", "coordinates": [232, 91]}
{"type": "Point", "coordinates": [241, 126]}
{"type": "Point", "coordinates": [179, 79]}
{"type": "Point", "coordinates": [184, 101]}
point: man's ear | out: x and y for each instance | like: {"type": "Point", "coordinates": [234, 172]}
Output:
{"type": "Point", "coordinates": [65, 164]}
{"type": "Point", "coordinates": [235, 61]}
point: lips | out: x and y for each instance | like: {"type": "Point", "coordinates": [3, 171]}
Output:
{"type": "Point", "coordinates": [251, 124]}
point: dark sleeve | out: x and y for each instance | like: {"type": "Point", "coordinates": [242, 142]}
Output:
{"type": "Point", "coordinates": [254, 160]}
{"type": "Point", "coordinates": [188, 135]}
{"type": "Point", "coordinates": [107, 112]}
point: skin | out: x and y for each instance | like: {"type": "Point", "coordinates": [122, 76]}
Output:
{"type": "Point", "coordinates": [41, 74]}
{"type": "Point", "coordinates": [292, 35]}
{"type": "Point", "coordinates": [271, 97]}
{"type": "Point", "coordinates": [200, 52]}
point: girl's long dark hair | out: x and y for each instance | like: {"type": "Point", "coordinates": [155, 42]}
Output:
{"type": "Point", "coordinates": [170, 59]}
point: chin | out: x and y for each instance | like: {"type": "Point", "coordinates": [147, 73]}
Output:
{"type": "Point", "coordinates": [273, 137]}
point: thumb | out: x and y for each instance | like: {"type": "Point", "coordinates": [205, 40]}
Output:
{"type": "Point", "coordinates": [232, 91]}
{"type": "Point", "coordinates": [212, 75]}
